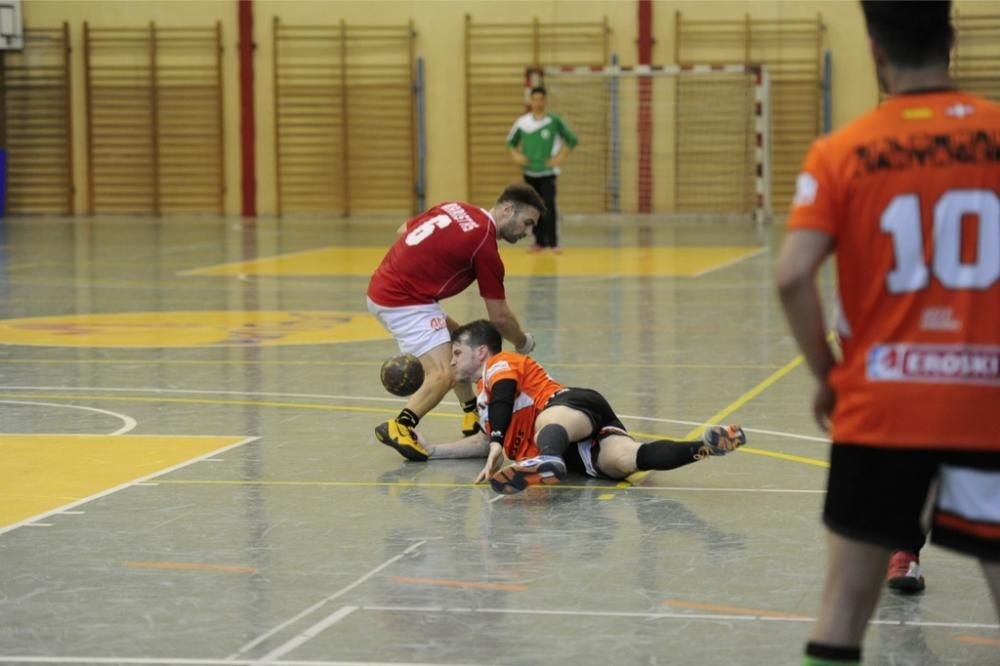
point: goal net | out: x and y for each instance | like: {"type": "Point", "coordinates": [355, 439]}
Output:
{"type": "Point", "coordinates": [685, 140]}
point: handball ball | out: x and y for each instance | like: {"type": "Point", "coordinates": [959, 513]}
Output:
{"type": "Point", "coordinates": [402, 375]}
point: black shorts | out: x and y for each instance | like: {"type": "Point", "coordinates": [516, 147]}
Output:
{"type": "Point", "coordinates": [591, 403]}
{"type": "Point", "coordinates": [879, 496]}
{"type": "Point", "coordinates": [601, 415]}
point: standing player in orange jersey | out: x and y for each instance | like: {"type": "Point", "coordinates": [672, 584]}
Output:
{"type": "Point", "coordinates": [438, 254]}
{"type": "Point", "coordinates": [908, 197]}
{"type": "Point", "coordinates": [547, 428]}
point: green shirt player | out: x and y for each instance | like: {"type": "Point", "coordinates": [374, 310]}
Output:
{"type": "Point", "coordinates": [538, 142]}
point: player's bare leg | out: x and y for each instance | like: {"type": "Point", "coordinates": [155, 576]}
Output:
{"type": "Point", "coordinates": [853, 584]}
{"type": "Point", "coordinates": [558, 423]}
{"type": "Point", "coordinates": [992, 572]}
{"type": "Point", "coordinates": [438, 380]}
{"type": "Point", "coordinates": [621, 456]}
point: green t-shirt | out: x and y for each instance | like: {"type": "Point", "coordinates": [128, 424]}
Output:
{"type": "Point", "coordinates": [540, 140]}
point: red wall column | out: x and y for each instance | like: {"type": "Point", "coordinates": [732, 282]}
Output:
{"type": "Point", "coordinates": [645, 120]}
{"type": "Point", "coordinates": [248, 139]}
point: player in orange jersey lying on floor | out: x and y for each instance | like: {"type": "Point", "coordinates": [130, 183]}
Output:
{"type": "Point", "coordinates": [547, 428]}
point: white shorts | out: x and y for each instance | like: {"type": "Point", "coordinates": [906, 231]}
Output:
{"type": "Point", "coordinates": [967, 511]}
{"type": "Point", "coordinates": [417, 328]}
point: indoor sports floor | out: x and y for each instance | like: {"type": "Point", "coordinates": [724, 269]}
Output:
{"type": "Point", "coordinates": [188, 473]}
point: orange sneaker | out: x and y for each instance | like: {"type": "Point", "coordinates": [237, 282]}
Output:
{"type": "Point", "coordinates": [530, 472]}
{"type": "Point", "coordinates": [720, 440]}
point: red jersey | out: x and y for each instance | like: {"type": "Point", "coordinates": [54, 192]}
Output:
{"type": "Point", "coordinates": [441, 253]}
{"type": "Point", "coordinates": [911, 194]}
{"type": "Point", "coordinates": [534, 388]}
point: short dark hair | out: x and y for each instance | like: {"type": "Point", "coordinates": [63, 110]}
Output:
{"type": "Point", "coordinates": [479, 332]}
{"type": "Point", "coordinates": [912, 33]}
{"type": "Point", "coordinates": [539, 89]}
{"type": "Point", "coordinates": [520, 194]}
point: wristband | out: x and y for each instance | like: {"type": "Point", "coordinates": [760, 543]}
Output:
{"type": "Point", "coordinates": [528, 346]}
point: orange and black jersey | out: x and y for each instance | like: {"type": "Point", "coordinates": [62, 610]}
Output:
{"type": "Point", "coordinates": [910, 193]}
{"type": "Point", "coordinates": [532, 391]}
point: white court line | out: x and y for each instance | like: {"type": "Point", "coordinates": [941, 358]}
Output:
{"type": "Point", "coordinates": [727, 264]}
{"type": "Point", "coordinates": [130, 423]}
{"type": "Point", "coordinates": [127, 484]}
{"type": "Point", "coordinates": [325, 397]}
{"type": "Point", "coordinates": [666, 616]}
{"type": "Point", "coordinates": [38, 524]}
{"type": "Point", "coordinates": [319, 604]}
{"type": "Point", "coordinates": [311, 632]}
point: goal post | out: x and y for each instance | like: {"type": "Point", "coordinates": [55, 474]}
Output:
{"type": "Point", "coordinates": [676, 139]}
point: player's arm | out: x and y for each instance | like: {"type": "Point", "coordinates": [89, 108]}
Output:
{"type": "Point", "coordinates": [795, 272]}
{"type": "Point", "coordinates": [402, 229]}
{"type": "Point", "coordinates": [501, 413]}
{"type": "Point", "coordinates": [501, 316]}
{"type": "Point", "coordinates": [564, 150]}
{"type": "Point", "coordinates": [516, 155]}
{"type": "Point", "coordinates": [513, 146]}
{"type": "Point", "coordinates": [473, 446]}
{"type": "Point", "coordinates": [568, 143]}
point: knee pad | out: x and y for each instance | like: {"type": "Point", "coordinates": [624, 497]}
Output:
{"type": "Point", "coordinates": [552, 440]}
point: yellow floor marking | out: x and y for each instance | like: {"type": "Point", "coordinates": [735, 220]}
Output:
{"type": "Point", "coordinates": [632, 480]}
{"type": "Point", "coordinates": [218, 328]}
{"type": "Point", "coordinates": [190, 566]}
{"type": "Point", "coordinates": [978, 640]}
{"type": "Point", "coordinates": [450, 486]}
{"type": "Point", "coordinates": [41, 473]}
{"type": "Point", "coordinates": [638, 477]}
{"type": "Point", "coordinates": [606, 496]}
{"type": "Point", "coordinates": [733, 610]}
{"type": "Point", "coordinates": [370, 364]}
{"type": "Point", "coordinates": [626, 262]}
{"type": "Point", "coordinates": [469, 585]}
{"type": "Point", "coordinates": [216, 401]}
{"type": "Point", "coordinates": [576, 261]}
{"type": "Point", "coordinates": [748, 396]}
{"type": "Point", "coordinates": [785, 456]}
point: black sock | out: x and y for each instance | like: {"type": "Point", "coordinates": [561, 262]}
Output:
{"type": "Point", "coordinates": [552, 440]}
{"type": "Point", "coordinates": [469, 405]}
{"type": "Point", "coordinates": [831, 654]}
{"type": "Point", "coordinates": [408, 418]}
{"type": "Point", "coordinates": [668, 454]}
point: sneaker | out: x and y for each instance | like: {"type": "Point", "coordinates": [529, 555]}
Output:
{"type": "Point", "coordinates": [535, 248]}
{"type": "Point", "coordinates": [720, 440]}
{"type": "Point", "coordinates": [470, 424]}
{"type": "Point", "coordinates": [905, 574]}
{"type": "Point", "coordinates": [556, 249]}
{"type": "Point", "coordinates": [403, 439]}
{"type": "Point", "coordinates": [524, 473]}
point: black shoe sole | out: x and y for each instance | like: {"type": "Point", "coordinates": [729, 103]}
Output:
{"type": "Point", "coordinates": [906, 585]}
{"type": "Point", "coordinates": [510, 481]}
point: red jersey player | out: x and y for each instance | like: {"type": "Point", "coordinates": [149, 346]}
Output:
{"type": "Point", "coordinates": [438, 254]}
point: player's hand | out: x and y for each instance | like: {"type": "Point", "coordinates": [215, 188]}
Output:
{"type": "Point", "coordinates": [823, 404]}
{"type": "Point", "coordinates": [528, 346]}
{"type": "Point", "coordinates": [493, 462]}
{"type": "Point", "coordinates": [519, 158]}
